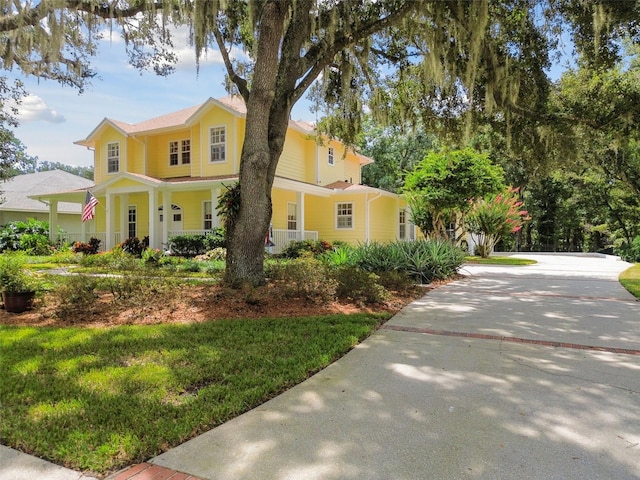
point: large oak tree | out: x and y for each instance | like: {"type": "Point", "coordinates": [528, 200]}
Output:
{"type": "Point", "coordinates": [478, 52]}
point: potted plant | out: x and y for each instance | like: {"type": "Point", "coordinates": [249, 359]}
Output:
{"type": "Point", "coordinates": [18, 284]}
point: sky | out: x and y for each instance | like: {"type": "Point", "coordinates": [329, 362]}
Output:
{"type": "Point", "coordinates": [53, 116]}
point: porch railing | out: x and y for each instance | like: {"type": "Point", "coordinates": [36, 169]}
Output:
{"type": "Point", "coordinates": [282, 238]}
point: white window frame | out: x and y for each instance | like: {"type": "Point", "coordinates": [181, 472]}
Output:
{"type": "Point", "coordinates": [207, 215]}
{"type": "Point", "coordinates": [113, 160]}
{"type": "Point", "coordinates": [402, 224]}
{"type": "Point", "coordinates": [132, 221]}
{"type": "Point", "coordinates": [344, 216]}
{"type": "Point", "coordinates": [331, 159]}
{"type": "Point", "coordinates": [220, 145]}
{"type": "Point", "coordinates": [292, 216]}
{"type": "Point", "coordinates": [179, 152]}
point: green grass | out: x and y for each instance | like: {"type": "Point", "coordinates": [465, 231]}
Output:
{"type": "Point", "coordinates": [497, 260]}
{"type": "Point", "coordinates": [98, 399]}
{"type": "Point", "coordinates": [630, 279]}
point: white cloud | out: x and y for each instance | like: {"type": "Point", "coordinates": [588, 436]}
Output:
{"type": "Point", "coordinates": [34, 109]}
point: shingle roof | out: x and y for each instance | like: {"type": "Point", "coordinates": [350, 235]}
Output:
{"type": "Point", "coordinates": [15, 191]}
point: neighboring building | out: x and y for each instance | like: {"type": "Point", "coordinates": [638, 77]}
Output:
{"type": "Point", "coordinates": [181, 162]}
{"type": "Point", "coordinates": [18, 205]}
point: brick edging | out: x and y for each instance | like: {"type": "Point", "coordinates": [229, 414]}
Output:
{"type": "Point", "coordinates": [484, 336]}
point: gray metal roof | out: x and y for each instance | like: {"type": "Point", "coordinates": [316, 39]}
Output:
{"type": "Point", "coordinates": [16, 190]}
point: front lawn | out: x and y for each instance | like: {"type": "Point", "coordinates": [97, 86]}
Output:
{"type": "Point", "coordinates": [99, 399]}
{"type": "Point", "coordinates": [499, 260]}
{"type": "Point", "coordinates": [630, 279]}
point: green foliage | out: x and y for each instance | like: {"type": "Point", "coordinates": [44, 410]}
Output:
{"type": "Point", "coordinates": [116, 260]}
{"type": "Point", "coordinates": [229, 205]}
{"type": "Point", "coordinates": [304, 277]}
{"type": "Point", "coordinates": [630, 279]}
{"type": "Point", "coordinates": [359, 285]}
{"type": "Point", "coordinates": [35, 244]}
{"type": "Point", "coordinates": [215, 239]}
{"type": "Point", "coordinates": [188, 245]}
{"type": "Point", "coordinates": [14, 277]}
{"type": "Point", "coordinates": [299, 248]}
{"type": "Point", "coordinates": [11, 233]}
{"type": "Point", "coordinates": [76, 292]}
{"type": "Point", "coordinates": [153, 256]}
{"type": "Point", "coordinates": [344, 255]}
{"type": "Point", "coordinates": [134, 246]}
{"type": "Point", "coordinates": [88, 248]}
{"type": "Point", "coordinates": [631, 253]}
{"type": "Point", "coordinates": [494, 217]}
{"type": "Point", "coordinates": [444, 184]}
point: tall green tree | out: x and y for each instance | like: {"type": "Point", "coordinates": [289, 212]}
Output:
{"type": "Point", "coordinates": [468, 53]}
{"type": "Point", "coordinates": [443, 187]}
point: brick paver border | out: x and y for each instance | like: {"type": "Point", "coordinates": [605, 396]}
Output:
{"type": "Point", "coordinates": [483, 336]}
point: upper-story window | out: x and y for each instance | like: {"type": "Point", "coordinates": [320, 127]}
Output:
{"type": "Point", "coordinates": [180, 152]}
{"type": "Point", "coordinates": [113, 157]}
{"type": "Point", "coordinates": [218, 138]}
{"type": "Point", "coordinates": [330, 157]}
{"type": "Point", "coordinates": [344, 215]}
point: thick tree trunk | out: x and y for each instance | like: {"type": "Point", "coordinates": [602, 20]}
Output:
{"type": "Point", "coordinates": [261, 151]}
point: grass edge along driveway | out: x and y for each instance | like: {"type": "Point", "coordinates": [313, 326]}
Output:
{"type": "Point", "coordinates": [99, 399]}
{"type": "Point", "coordinates": [630, 279]}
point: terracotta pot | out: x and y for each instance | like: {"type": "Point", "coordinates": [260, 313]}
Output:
{"type": "Point", "coordinates": [17, 302]}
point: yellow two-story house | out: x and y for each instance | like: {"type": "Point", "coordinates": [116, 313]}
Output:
{"type": "Point", "coordinates": [162, 177]}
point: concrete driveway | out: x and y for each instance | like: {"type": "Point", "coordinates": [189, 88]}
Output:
{"type": "Point", "coordinates": [466, 383]}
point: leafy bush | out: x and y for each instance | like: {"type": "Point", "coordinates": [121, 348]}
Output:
{"type": "Point", "coordinates": [116, 259]}
{"type": "Point", "coordinates": [11, 233]}
{"type": "Point", "coordinates": [342, 256]}
{"type": "Point", "coordinates": [35, 244]}
{"type": "Point", "coordinates": [76, 292]}
{"type": "Point", "coordinates": [359, 285]}
{"type": "Point", "coordinates": [134, 246]}
{"type": "Point", "coordinates": [153, 256]}
{"type": "Point", "coordinates": [305, 277]}
{"type": "Point", "coordinates": [14, 277]}
{"type": "Point", "coordinates": [298, 248]}
{"type": "Point", "coordinates": [188, 245]}
{"type": "Point", "coordinates": [216, 254]}
{"type": "Point", "coordinates": [88, 248]}
{"type": "Point", "coordinates": [215, 239]}
{"type": "Point", "coordinates": [631, 253]}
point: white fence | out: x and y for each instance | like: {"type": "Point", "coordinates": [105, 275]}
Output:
{"type": "Point", "coordinates": [282, 238]}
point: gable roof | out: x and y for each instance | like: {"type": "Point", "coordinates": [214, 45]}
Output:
{"type": "Point", "coordinates": [16, 191]}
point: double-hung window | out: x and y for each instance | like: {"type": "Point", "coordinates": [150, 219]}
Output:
{"type": "Point", "coordinates": [180, 152]}
{"type": "Point", "coordinates": [132, 221]}
{"type": "Point", "coordinates": [218, 141]}
{"type": "Point", "coordinates": [207, 223]}
{"type": "Point", "coordinates": [344, 215]}
{"type": "Point", "coordinates": [113, 157]}
{"type": "Point", "coordinates": [402, 224]}
{"type": "Point", "coordinates": [330, 156]}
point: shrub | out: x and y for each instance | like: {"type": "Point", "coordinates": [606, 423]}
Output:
{"type": "Point", "coordinates": [305, 277]}
{"type": "Point", "coordinates": [11, 233]}
{"type": "Point", "coordinates": [35, 244]}
{"type": "Point", "coordinates": [216, 254]}
{"type": "Point", "coordinates": [359, 285]}
{"type": "Point", "coordinates": [134, 246]}
{"type": "Point", "coordinates": [152, 256]}
{"type": "Point", "coordinates": [396, 281]}
{"type": "Point", "coordinates": [298, 248]}
{"type": "Point", "coordinates": [342, 255]}
{"type": "Point", "coordinates": [215, 239]}
{"type": "Point", "coordinates": [76, 292]}
{"type": "Point", "coordinates": [89, 248]}
{"type": "Point", "coordinates": [631, 253]}
{"type": "Point", "coordinates": [187, 245]}
{"type": "Point", "coordinates": [116, 259]}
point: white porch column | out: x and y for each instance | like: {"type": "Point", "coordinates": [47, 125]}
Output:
{"type": "Point", "coordinates": [215, 220]}
{"type": "Point", "coordinates": [83, 231]}
{"type": "Point", "coordinates": [166, 216]}
{"type": "Point", "coordinates": [300, 213]}
{"type": "Point", "coordinates": [124, 217]}
{"type": "Point", "coordinates": [111, 210]}
{"type": "Point", "coordinates": [53, 220]}
{"type": "Point", "coordinates": [153, 243]}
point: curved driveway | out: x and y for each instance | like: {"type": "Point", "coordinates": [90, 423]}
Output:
{"type": "Point", "coordinates": [466, 383]}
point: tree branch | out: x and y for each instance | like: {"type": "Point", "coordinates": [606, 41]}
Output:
{"type": "Point", "coordinates": [240, 82]}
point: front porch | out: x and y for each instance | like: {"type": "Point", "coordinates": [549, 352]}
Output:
{"type": "Point", "coordinates": [280, 238]}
